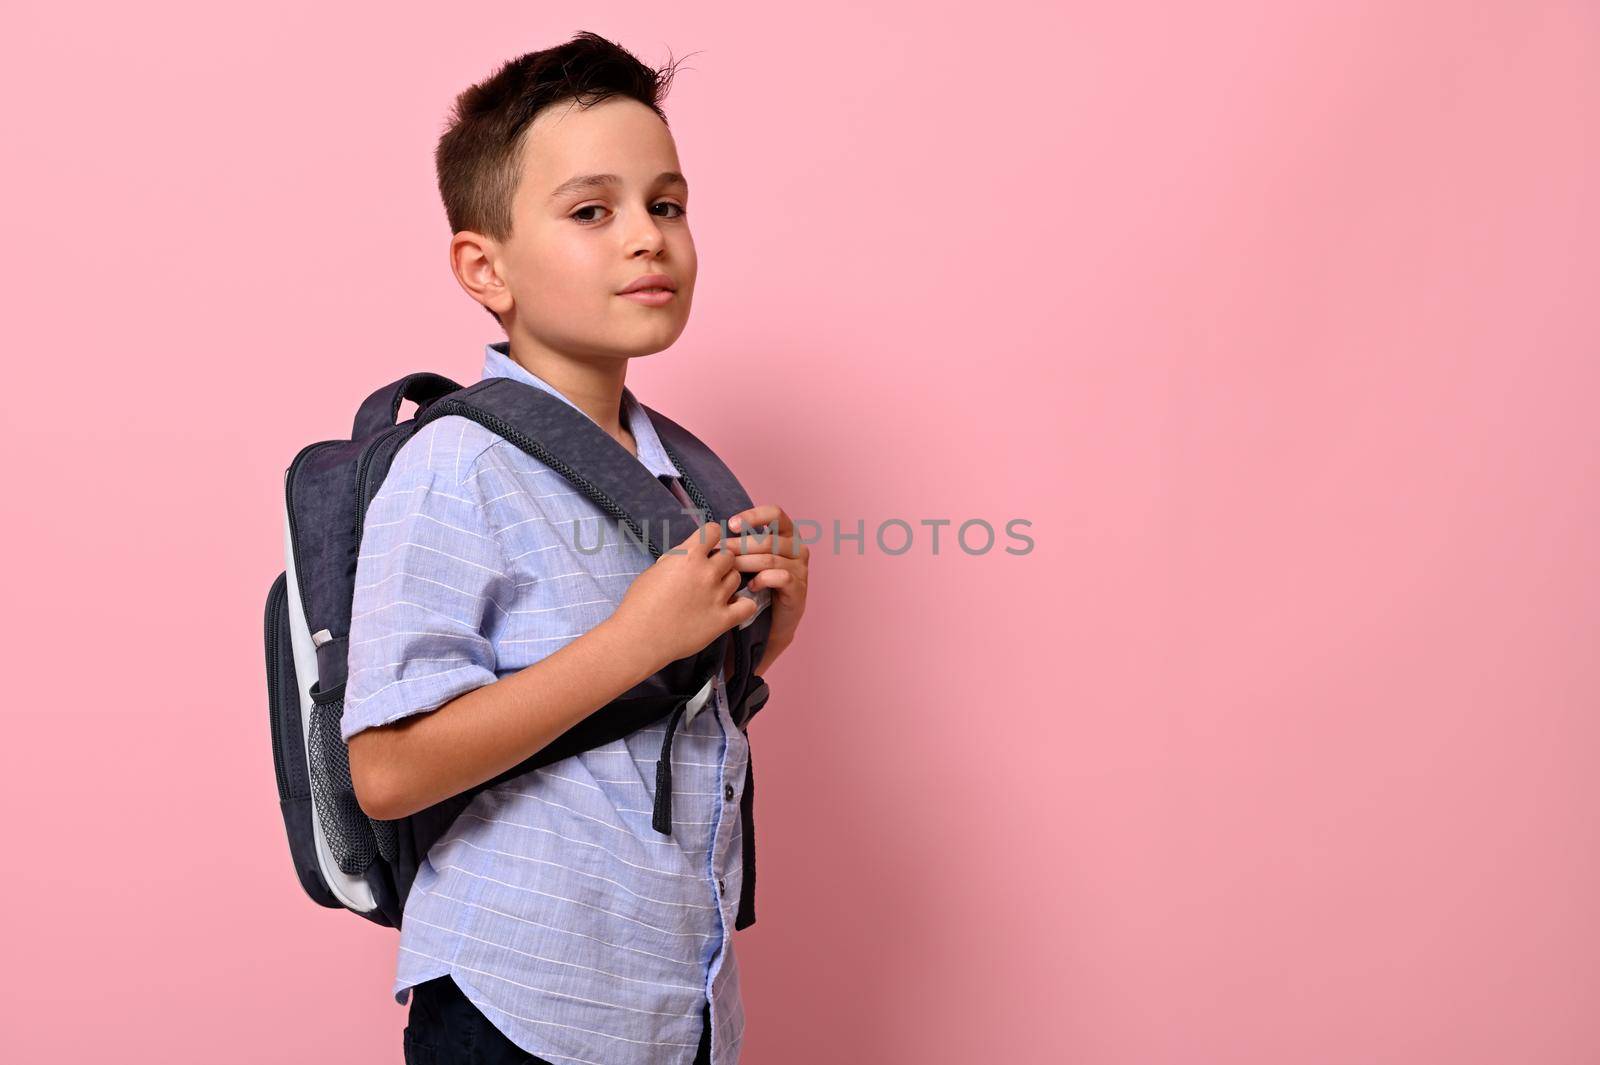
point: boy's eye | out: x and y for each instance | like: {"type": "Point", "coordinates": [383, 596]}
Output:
{"type": "Point", "coordinates": [682, 210]}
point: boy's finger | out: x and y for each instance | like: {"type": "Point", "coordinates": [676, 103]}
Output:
{"type": "Point", "coordinates": [756, 563]}
{"type": "Point", "coordinates": [761, 515]}
{"type": "Point", "coordinates": [788, 544]}
{"type": "Point", "coordinates": [771, 578]}
{"type": "Point", "coordinates": [748, 542]}
{"type": "Point", "coordinates": [743, 613]}
{"type": "Point", "coordinates": [706, 537]}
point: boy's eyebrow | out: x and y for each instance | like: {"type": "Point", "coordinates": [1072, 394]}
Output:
{"type": "Point", "coordinates": [591, 181]}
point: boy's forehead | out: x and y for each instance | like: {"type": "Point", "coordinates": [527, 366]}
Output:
{"type": "Point", "coordinates": [617, 136]}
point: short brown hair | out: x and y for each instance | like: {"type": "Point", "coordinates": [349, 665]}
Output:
{"type": "Point", "coordinates": [479, 157]}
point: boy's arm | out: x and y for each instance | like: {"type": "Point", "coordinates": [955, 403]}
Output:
{"type": "Point", "coordinates": [427, 714]}
{"type": "Point", "coordinates": [409, 765]}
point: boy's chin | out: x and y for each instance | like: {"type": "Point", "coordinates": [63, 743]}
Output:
{"type": "Point", "coordinates": [638, 346]}
{"type": "Point", "coordinates": [643, 338]}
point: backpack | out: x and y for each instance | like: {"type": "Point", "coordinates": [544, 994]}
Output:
{"type": "Point", "coordinates": [342, 857]}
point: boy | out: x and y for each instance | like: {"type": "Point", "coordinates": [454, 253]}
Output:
{"type": "Point", "coordinates": [551, 919]}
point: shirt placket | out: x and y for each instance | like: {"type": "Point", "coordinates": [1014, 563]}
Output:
{"type": "Point", "coordinates": [731, 777]}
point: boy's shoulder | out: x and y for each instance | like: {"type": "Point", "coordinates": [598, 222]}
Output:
{"type": "Point", "coordinates": [444, 450]}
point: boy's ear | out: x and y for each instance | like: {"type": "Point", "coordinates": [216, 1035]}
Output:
{"type": "Point", "coordinates": [473, 260]}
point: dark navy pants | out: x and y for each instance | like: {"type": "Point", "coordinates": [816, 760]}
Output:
{"type": "Point", "coordinates": [445, 1028]}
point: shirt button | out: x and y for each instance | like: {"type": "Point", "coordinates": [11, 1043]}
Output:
{"type": "Point", "coordinates": [727, 792]}
{"type": "Point", "coordinates": [719, 884]}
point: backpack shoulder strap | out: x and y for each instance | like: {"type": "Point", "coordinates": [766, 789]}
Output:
{"type": "Point", "coordinates": [569, 442]}
{"type": "Point", "coordinates": [705, 473]}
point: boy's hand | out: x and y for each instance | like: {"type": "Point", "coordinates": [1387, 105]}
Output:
{"type": "Point", "coordinates": [685, 599]}
{"type": "Point", "coordinates": [783, 565]}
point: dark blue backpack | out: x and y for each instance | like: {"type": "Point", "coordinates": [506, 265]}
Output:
{"type": "Point", "coordinates": [343, 857]}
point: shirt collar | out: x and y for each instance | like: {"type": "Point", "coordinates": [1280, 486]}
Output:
{"type": "Point", "coordinates": [497, 362]}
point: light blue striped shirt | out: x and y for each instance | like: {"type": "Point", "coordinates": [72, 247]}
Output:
{"type": "Point", "coordinates": [581, 932]}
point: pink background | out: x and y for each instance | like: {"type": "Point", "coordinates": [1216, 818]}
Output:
{"type": "Point", "coordinates": [1278, 321]}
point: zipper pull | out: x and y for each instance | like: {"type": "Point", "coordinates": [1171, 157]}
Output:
{"type": "Point", "coordinates": [700, 698]}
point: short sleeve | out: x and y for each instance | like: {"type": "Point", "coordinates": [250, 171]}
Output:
{"type": "Point", "coordinates": [430, 574]}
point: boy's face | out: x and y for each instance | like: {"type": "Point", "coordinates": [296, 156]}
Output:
{"type": "Point", "coordinates": [571, 253]}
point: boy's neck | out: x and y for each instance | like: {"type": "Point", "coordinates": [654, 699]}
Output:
{"type": "Point", "coordinates": [594, 387]}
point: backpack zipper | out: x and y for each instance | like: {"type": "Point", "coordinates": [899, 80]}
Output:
{"type": "Point", "coordinates": [362, 465]}
{"type": "Point", "coordinates": [294, 527]}
{"type": "Point", "coordinates": [274, 599]}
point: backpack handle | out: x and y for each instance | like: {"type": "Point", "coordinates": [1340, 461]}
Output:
{"type": "Point", "coordinates": [381, 410]}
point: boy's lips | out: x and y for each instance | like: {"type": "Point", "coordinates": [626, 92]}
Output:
{"type": "Point", "coordinates": [652, 290]}
{"type": "Point", "coordinates": [649, 281]}
{"type": "Point", "coordinates": [650, 297]}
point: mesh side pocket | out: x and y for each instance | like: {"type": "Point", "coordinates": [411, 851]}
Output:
{"type": "Point", "coordinates": [344, 823]}
{"type": "Point", "coordinates": [385, 836]}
